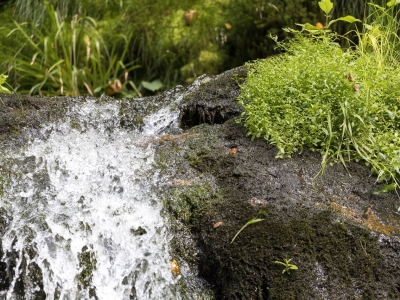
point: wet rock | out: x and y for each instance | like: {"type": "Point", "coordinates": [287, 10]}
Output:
{"type": "Point", "coordinates": [87, 261]}
{"type": "Point", "coordinates": [139, 231]}
{"type": "Point", "coordinates": [212, 103]}
{"type": "Point", "coordinates": [344, 239]}
{"type": "Point", "coordinates": [5, 219]}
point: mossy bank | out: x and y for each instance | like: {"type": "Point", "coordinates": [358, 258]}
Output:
{"type": "Point", "coordinates": [343, 238]}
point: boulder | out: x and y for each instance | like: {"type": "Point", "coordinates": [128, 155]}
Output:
{"type": "Point", "coordinates": [342, 237]}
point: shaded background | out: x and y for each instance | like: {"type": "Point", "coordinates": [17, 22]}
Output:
{"type": "Point", "coordinates": [149, 45]}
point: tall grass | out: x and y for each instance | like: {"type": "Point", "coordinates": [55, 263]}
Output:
{"type": "Point", "coordinates": [67, 58]}
{"type": "Point", "coordinates": [222, 34]}
{"type": "Point", "coordinates": [380, 35]}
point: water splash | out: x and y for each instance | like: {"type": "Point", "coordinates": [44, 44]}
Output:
{"type": "Point", "coordinates": [86, 223]}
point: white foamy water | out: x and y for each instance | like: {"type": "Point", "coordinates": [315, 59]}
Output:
{"type": "Point", "coordinates": [84, 200]}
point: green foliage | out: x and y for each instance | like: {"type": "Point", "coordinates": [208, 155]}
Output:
{"type": "Point", "coordinates": [288, 266]}
{"type": "Point", "coordinates": [173, 41]}
{"type": "Point", "coordinates": [252, 221]}
{"type": "Point", "coordinates": [152, 86]}
{"type": "Point", "coordinates": [66, 58]}
{"type": "Point", "coordinates": [3, 89]}
{"type": "Point", "coordinates": [380, 35]}
{"type": "Point", "coordinates": [253, 20]}
{"type": "Point", "coordinates": [360, 9]}
{"type": "Point", "coordinates": [343, 104]}
{"type": "Point", "coordinates": [326, 6]}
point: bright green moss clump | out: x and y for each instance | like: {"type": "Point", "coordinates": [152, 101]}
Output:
{"type": "Point", "coordinates": [344, 104]}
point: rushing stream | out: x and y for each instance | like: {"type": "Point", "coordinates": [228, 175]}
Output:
{"type": "Point", "coordinates": [84, 221]}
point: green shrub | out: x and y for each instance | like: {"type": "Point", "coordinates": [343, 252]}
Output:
{"type": "Point", "coordinates": [344, 104]}
{"type": "Point", "coordinates": [291, 99]}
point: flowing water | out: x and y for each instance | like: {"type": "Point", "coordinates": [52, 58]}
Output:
{"type": "Point", "coordinates": [83, 219]}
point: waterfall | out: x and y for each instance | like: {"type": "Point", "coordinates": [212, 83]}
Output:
{"type": "Point", "coordinates": [83, 219]}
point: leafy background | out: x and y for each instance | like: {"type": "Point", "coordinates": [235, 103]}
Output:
{"type": "Point", "coordinates": [133, 48]}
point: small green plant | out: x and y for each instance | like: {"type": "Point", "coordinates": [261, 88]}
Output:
{"type": "Point", "coordinates": [342, 103]}
{"type": "Point", "coordinates": [252, 221]}
{"type": "Point", "coordinates": [288, 266]}
{"type": "Point", "coordinates": [326, 6]}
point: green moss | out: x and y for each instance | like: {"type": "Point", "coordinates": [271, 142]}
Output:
{"type": "Point", "coordinates": [139, 231]}
{"type": "Point", "coordinates": [345, 253]}
{"type": "Point", "coordinates": [186, 202]}
{"type": "Point", "coordinates": [334, 256]}
{"type": "Point", "coordinates": [87, 261]}
{"type": "Point", "coordinates": [36, 281]}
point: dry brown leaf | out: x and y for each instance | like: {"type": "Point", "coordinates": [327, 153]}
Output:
{"type": "Point", "coordinates": [216, 225]}
{"type": "Point", "coordinates": [190, 16]}
{"type": "Point", "coordinates": [233, 150]}
{"type": "Point", "coordinates": [350, 77]}
{"type": "Point", "coordinates": [175, 267]}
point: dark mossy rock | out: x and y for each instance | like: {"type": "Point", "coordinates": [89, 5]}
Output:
{"type": "Point", "coordinates": [343, 238]}
{"type": "Point", "coordinates": [214, 102]}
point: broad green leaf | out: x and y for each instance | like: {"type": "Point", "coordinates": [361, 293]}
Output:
{"type": "Point", "coordinates": [326, 6]}
{"type": "Point", "coordinates": [152, 86]}
{"type": "Point", "coordinates": [3, 78]}
{"type": "Point", "coordinates": [349, 19]}
{"type": "Point", "coordinates": [4, 90]}
{"type": "Point", "coordinates": [98, 89]}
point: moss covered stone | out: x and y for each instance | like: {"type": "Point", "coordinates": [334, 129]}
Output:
{"type": "Point", "coordinates": [338, 256]}
{"type": "Point", "coordinates": [87, 263]}
{"type": "Point", "coordinates": [342, 237]}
